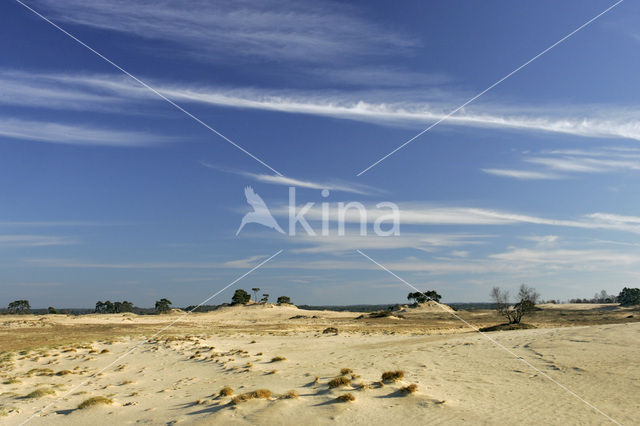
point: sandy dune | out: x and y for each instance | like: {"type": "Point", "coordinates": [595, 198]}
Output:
{"type": "Point", "coordinates": [460, 377]}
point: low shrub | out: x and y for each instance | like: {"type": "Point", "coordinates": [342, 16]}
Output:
{"type": "Point", "coordinates": [39, 393]}
{"type": "Point", "coordinates": [339, 381]}
{"type": "Point", "coordinates": [92, 402]}
{"type": "Point", "coordinates": [412, 388]}
{"type": "Point", "coordinates": [226, 391]}
{"type": "Point", "coordinates": [392, 376]}
{"type": "Point", "coordinates": [289, 395]}
{"type": "Point", "coordinates": [347, 397]}
{"type": "Point", "coordinates": [260, 393]}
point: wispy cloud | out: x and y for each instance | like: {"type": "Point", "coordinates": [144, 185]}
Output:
{"type": "Point", "coordinates": [69, 134]}
{"type": "Point", "coordinates": [573, 162]}
{"type": "Point", "coordinates": [335, 185]}
{"type": "Point", "coordinates": [334, 244]}
{"type": "Point", "coordinates": [522, 174]}
{"type": "Point", "coordinates": [14, 241]}
{"type": "Point", "coordinates": [382, 107]}
{"type": "Point", "coordinates": [224, 30]}
{"type": "Point", "coordinates": [412, 213]}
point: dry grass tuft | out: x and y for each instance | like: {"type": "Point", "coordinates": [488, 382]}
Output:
{"type": "Point", "coordinates": [363, 386]}
{"type": "Point", "coordinates": [412, 388]}
{"type": "Point", "coordinates": [257, 394]}
{"type": "Point", "coordinates": [104, 351]}
{"type": "Point", "coordinates": [339, 381]}
{"type": "Point", "coordinates": [272, 372]}
{"type": "Point", "coordinates": [289, 395]}
{"type": "Point", "coordinates": [392, 376]}
{"type": "Point", "coordinates": [39, 393]}
{"type": "Point", "coordinates": [346, 371]}
{"type": "Point", "coordinates": [96, 400]}
{"type": "Point", "coordinates": [12, 381]}
{"type": "Point", "coordinates": [226, 391]}
{"type": "Point", "coordinates": [278, 358]}
{"type": "Point", "coordinates": [63, 372]}
{"type": "Point", "coordinates": [347, 397]}
{"type": "Point", "coordinates": [40, 372]}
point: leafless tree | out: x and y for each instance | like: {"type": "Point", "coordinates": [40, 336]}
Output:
{"type": "Point", "coordinates": [527, 299]}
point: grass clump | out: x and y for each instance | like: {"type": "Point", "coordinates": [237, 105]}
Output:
{"type": "Point", "coordinates": [12, 381]}
{"type": "Point", "coordinates": [380, 314]}
{"type": "Point", "coordinates": [392, 376]}
{"type": "Point", "coordinates": [289, 395]}
{"type": "Point", "coordinates": [256, 394]}
{"type": "Point", "coordinates": [226, 391]}
{"type": "Point", "coordinates": [92, 402]}
{"type": "Point", "coordinates": [39, 393]}
{"type": "Point", "coordinates": [346, 371]}
{"type": "Point", "coordinates": [104, 351]}
{"type": "Point", "coordinates": [339, 381]}
{"type": "Point", "coordinates": [412, 388]}
{"type": "Point", "coordinates": [278, 358]}
{"type": "Point", "coordinates": [63, 372]}
{"type": "Point", "coordinates": [347, 397]}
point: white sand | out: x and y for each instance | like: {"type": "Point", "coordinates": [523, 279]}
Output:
{"type": "Point", "coordinates": [460, 378]}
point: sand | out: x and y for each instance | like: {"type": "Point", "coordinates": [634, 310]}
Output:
{"type": "Point", "coordinates": [461, 376]}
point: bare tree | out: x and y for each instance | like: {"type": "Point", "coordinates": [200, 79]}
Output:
{"type": "Point", "coordinates": [255, 291]}
{"type": "Point", "coordinates": [527, 299]}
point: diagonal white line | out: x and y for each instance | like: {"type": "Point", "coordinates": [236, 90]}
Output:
{"type": "Point", "coordinates": [142, 83]}
{"type": "Point", "coordinates": [149, 338]}
{"type": "Point", "coordinates": [490, 87]}
{"type": "Point", "coordinates": [500, 345]}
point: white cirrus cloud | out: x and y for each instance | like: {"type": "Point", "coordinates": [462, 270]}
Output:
{"type": "Point", "coordinates": [301, 31]}
{"type": "Point", "coordinates": [71, 134]}
{"type": "Point", "coordinates": [522, 174]}
{"type": "Point", "coordinates": [335, 185]}
{"type": "Point", "coordinates": [572, 162]}
{"type": "Point", "coordinates": [382, 107]}
{"type": "Point", "coordinates": [17, 240]}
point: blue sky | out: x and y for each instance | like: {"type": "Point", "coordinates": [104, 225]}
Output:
{"type": "Point", "coordinates": [109, 192]}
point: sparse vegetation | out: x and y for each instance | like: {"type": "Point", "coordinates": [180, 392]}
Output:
{"type": "Point", "coordinates": [257, 394]}
{"type": "Point", "coordinates": [330, 330]}
{"type": "Point", "coordinates": [412, 388]}
{"type": "Point", "coordinates": [226, 391]}
{"type": "Point", "coordinates": [392, 376]}
{"type": "Point", "coordinates": [346, 371]}
{"type": "Point", "coordinates": [347, 397]}
{"type": "Point", "coordinates": [63, 372]}
{"type": "Point", "coordinates": [339, 381]}
{"type": "Point", "coordinates": [278, 359]}
{"type": "Point", "coordinates": [39, 393]}
{"type": "Point", "coordinates": [380, 314]}
{"type": "Point", "coordinates": [289, 395]}
{"type": "Point", "coordinates": [92, 402]}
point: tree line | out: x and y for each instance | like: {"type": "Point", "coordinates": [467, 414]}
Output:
{"type": "Point", "coordinates": [242, 297]}
{"type": "Point", "coordinates": [513, 311]}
